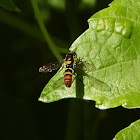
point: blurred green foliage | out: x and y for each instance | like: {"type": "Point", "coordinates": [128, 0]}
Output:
{"type": "Point", "coordinates": [9, 5]}
{"type": "Point", "coordinates": [23, 51]}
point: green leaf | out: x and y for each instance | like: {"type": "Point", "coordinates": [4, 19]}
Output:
{"type": "Point", "coordinates": [132, 132]}
{"type": "Point", "coordinates": [112, 45]}
{"type": "Point", "coordinates": [9, 5]}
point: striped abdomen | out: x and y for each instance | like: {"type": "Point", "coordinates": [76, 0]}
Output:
{"type": "Point", "coordinates": [68, 77]}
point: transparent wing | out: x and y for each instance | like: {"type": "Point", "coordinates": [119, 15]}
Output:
{"type": "Point", "coordinates": [85, 66]}
{"type": "Point", "coordinates": [84, 69]}
{"type": "Point", "coordinates": [50, 67]}
{"type": "Point", "coordinates": [97, 84]}
{"type": "Point", "coordinates": [58, 83]}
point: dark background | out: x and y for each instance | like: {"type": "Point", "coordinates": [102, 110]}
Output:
{"type": "Point", "coordinates": [23, 51]}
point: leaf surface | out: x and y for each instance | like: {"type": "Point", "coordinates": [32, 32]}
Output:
{"type": "Point", "coordinates": [112, 46]}
{"type": "Point", "coordinates": [132, 132]}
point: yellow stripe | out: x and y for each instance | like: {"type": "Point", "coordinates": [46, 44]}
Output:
{"type": "Point", "coordinates": [70, 69]}
{"type": "Point", "coordinates": [68, 62]}
{"type": "Point", "coordinates": [67, 73]}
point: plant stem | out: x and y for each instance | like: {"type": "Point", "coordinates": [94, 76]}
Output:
{"type": "Point", "coordinates": [44, 30]}
{"type": "Point", "coordinates": [29, 29]}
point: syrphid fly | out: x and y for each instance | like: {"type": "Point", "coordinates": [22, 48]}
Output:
{"type": "Point", "coordinates": [71, 62]}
